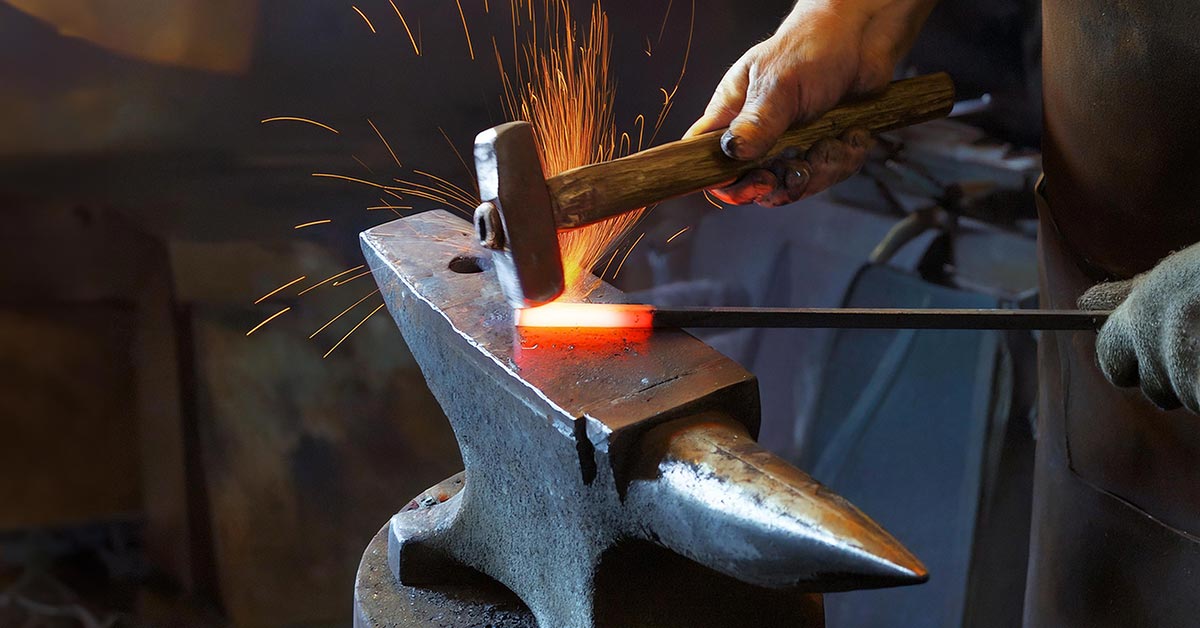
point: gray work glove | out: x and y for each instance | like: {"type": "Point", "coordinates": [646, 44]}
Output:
{"type": "Point", "coordinates": [1153, 336]}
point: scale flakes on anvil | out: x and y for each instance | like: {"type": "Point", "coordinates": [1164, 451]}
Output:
{"type": "Point", "coordinates": [577, 446]}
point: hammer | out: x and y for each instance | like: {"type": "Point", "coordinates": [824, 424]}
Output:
{"type": "Point", "coordinates": [523, 211]}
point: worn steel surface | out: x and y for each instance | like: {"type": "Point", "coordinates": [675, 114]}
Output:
{"type": "Point", "coordinates": [577, 443]}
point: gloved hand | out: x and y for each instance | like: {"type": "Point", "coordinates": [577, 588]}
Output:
{"type": "Point", "coordinates": [824, 50]}
{"type": "Point", "coordinates": [1153, 336]}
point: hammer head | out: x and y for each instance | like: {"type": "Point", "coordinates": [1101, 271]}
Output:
{"type": "Point", "coordinates": [516, 218]}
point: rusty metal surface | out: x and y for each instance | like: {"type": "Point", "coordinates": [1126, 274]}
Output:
{"type": "Point", "coordinates": [577, 443]}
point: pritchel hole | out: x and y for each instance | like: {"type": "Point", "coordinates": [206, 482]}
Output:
{"type": "Point", "coordinates": [468, 264]}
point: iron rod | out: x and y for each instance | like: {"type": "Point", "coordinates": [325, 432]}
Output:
{"type": "Point", "coordinates": [880, 318]}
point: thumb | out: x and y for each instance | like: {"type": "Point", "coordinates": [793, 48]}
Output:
{"type": "Point", "coordinates": [770, 109]}
{"type": "Point", "coordinates": [1106, 296]}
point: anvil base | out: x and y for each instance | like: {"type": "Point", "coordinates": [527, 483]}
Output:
{"type": "Point", "coordinates": [382, 602]}
{"type": "Point", "coordinates": [639, 584]}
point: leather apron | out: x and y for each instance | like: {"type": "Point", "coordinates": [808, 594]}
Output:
{"type": "Point", "coordinates": [1116, 523]}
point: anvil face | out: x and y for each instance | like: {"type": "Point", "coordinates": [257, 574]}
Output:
{"type": "Point", "coordinates": [577, 444]}
{"type": "Point", "coordinates": [612, 380]}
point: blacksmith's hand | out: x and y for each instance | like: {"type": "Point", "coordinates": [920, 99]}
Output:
{"type": "Point", "coordinates": [823, 51]}
{"type": "Point", "coordinates": [1153, 336]}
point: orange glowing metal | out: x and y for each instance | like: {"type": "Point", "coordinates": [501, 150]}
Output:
{"type": "Point", "coordinates": [587, 315]}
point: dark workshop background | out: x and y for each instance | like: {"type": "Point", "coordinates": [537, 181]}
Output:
{"type": "Point", "coordinates": [160, 467]}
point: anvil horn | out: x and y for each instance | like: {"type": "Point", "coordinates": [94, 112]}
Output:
{"type": "Point", "coordinates": [577, 444]}
{"type": "Point", "coordinates": [718, 498]}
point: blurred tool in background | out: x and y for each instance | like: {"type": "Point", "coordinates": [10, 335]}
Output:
{"type": "Point", "coordinates": [211, 35]}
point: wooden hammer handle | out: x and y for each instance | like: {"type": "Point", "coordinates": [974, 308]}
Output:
{"type": "Point", "coordinates": [589, 194]}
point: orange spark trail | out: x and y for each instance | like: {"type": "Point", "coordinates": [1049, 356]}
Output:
{"type": "Point", "coordinates": [269, 319]}
{"type": "Point", "coordinates": [280, 289]}
{"type": "Point", "coordinates": [662, 29]}
{"type": "Point", "coordinates": [334, 319]}
{"type": "Point", "coordinates": [677, 234]}
{"type": "Point", "coordinates": [343, 177]}
{"type": "Point", "coordinates": [622, 264]}
{"type": "Point", "coordinates": [364, 17]}
{"type": "Point", "coordinates": [385, 143]}
{"type": "Point", "coordinates": [298, 119]}
{"type": "Point", "coordinates": [325, 281]}
{"type": "Point", "coordinates": [466, 32]}
{"type": "Point", "coordinates": [416, 48]}
{"type": "Point", "coordinates": [352, 330]}
{"type": "Point", "coordinates": [364, 165]}
{"type": "Point", "coordinates": [313, 223]}
{"type": "Point", "coordinates": [470, 173]}
{"type": "Point", "coordinates": [669, 97]}
{"type": "Point", "coordinates": [346, 281]}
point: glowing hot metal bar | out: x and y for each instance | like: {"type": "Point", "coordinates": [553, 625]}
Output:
{"type": "Point", "coordinates": [640, 316]}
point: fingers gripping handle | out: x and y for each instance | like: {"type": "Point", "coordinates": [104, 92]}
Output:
{"type": "Point", "coordinates": [586, 195]}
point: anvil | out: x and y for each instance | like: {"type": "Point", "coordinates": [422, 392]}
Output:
{"type": "Point", "coordinates": [581, 447]}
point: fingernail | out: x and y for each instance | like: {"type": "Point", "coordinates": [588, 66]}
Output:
{"type": "Point", "coordinates": [730, 144]}
{"type": "Point", "coordinates": [798, 178]}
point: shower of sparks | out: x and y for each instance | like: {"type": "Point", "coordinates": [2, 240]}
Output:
{"type": "Point", "coordinates": [333, 278]}
{"type": "Point", "coordinates": [298, 119]}
{"type": "Point", "coordinates": [352, 330]}
{"type": "Point", "coordinates": [416, 48]}
{"type": "Point", "coordinates": [269, 319]}
{"type": "Point", "coordinates": [565, 90]}
{"type": "Point", "coordinates": [442, 192]}
{"type": "Point", "coordinates": [344, 312]}
{"type": "Point", "coordinates": [280, 289]}
{"type": "Point", "coordinates": [385, 144]}
{"type": "Point", "coordinates": [559, 79]}
{"type": "Point", "coordinates": [365, 19]}
{"type": "Point", "coordinates": [711, 201]}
